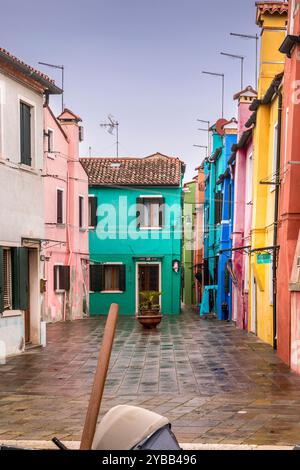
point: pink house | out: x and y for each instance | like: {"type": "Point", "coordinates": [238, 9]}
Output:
{"type": "Point", "coordinates": [66, 219]}
{"type": "Point", "coordinates": [243, 170]}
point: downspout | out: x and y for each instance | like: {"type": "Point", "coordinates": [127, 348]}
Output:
{"type": "Point", "coordinates": [276, 209]}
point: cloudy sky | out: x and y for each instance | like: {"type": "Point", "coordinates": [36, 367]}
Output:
{"type": "Point", "coordinates": [139, 60]}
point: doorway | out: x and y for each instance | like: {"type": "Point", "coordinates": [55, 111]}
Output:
{"type": "Point", "coordinates": [148, 279]}
{"type": "Point", "coordinates": [254, 305]}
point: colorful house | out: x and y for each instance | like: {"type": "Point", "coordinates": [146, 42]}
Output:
{"type": "Point", "coordinates": [199, 234]}
{"type": "Point", "coordinates": [242, 156]}
{"type": "Point", "coordinates": [271, 17]}
{"type": "Point", "coordinates": [65, 248]}
{"type": "Point", "coordinates": [288, 310]}
{"type": "Point", "coordinates": [135, 237]}
{"type": "Point", "coordinates": [189, 201]}
{"type": "Point", "coordinates": [218, 220]}
{"type": "Point", "coordinates": [23, 93]}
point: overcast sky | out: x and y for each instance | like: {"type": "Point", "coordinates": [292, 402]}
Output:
{"type": "Point", "coordinates": [139, 60]}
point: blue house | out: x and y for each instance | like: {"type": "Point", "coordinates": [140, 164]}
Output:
{"type": "Point", "coordinates": [135, 240]}
{"type": "Point", "coordinates": [218, 221]}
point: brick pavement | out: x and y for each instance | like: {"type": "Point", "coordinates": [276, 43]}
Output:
{"type": "Point", "coordinates": [216, 384]}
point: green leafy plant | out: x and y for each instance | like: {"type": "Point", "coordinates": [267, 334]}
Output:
{"type": "Point", "coordinates": [149, 299]}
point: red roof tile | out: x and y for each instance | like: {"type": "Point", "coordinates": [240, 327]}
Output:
{"type": "Point", "coordinates": [272, 8]}
{"type": "Point", "coordinates": [35, 74]}
{"type": "Point", "coordinates": [155, 170]}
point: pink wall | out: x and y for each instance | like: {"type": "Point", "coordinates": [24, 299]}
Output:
{"type": "Point", "coordinates": [66, 244]}
{"type": "Point", "coordinates": [243, 211]}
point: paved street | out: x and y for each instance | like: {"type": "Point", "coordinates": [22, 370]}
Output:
{"type": "Point", "coordinates": [215, 383]}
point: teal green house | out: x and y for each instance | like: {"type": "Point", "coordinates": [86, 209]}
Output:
{"type": "Point", "coordinates": [135, 231]}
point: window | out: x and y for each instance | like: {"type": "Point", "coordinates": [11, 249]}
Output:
{"type": "Point", "coordinates": [107, 277]}
{"type": "Point", "coordinates": [274, 162]}
{"type": "Point", "coordinates": [60, 206]}
{"type": "Point", "coordinates": [92, 211]}
{"type": "Point", "coordinates": [218, 206]}
{"type": "Point", "coordinates": [150, 212]}
{"type": "Point", "coordinates": [81, 211]}
{"type": "Point", "coordinates": [14, 279]}
{"type": "Point", "coordinates": [50, 140]}
{"type": "Point", "coordinates": [61, 278]}
{"type": "Point", "coordinates": [229, 202]}
{"type": "Point", "coordinates": [249, 179]}
{"type": "Point", "coordinates": [7, 278]}
{"type": "Point", "coordinates": [25, 133]}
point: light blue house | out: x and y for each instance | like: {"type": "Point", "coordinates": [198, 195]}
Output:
{"type": "Point", "coordinates": [218, 220]}
{"type": "Point", "coordinates": [135, 241]}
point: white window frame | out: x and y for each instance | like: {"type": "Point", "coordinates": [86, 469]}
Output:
{"type": "Point", "coordinates": [111, 291]}
{"type": "Point", "coordinates": [81, 198]}
{"type": "Point", "coordinates": [149, 196]}
{"type": "Point", "coordinates": [50, 153]}
{"type": "Point", "coordinates": [63, 205]}
{"type": "Point", "coordinates": [58, 291]}
{"type": "Point", "coordinates": [139, 263]}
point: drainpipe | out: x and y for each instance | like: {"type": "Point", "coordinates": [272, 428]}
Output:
{"type": "Point", "coordinates": [276, 210]}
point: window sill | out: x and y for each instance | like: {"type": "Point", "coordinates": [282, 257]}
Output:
{"type": "Point", "coordinates": [60, 291]}
{"type": "Point", "coordinates": [29, 169]}
{"type": "Point", "coordinates": [11, 313]}
{"type": "Point", "coordinates": [111, 292]}
{"type": "Point", "coordinates": [151, 228]}
{"type": "Point", "coordinates": [82, 229]}
{"type": "Point", "coordinates": [60, 225]}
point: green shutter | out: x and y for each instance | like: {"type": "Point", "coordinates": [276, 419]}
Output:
{"type": "Point", "coordinates": [97, 277]}
{"type": "Point", "coordinates": [161, 211]}
{"type": "Point", "coordinates": [20, 274]}
{"type": "Point", "coordinates": [1, 281]}
{"type": "Point", "coordinates": [122, 278]}
{"type": "Point", "coordinates": [93, 208]}
{"type": "Point", "coordinates": [25, 133]}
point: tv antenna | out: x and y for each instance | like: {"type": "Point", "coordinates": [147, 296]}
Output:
{"type": "Point", "coordinates": [110, 126]}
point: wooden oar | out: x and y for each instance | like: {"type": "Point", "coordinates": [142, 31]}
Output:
{"type": "Point", "coordinates": [99, 379]}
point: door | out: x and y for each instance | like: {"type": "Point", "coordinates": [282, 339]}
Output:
{"type": "Point", "coordinates": [148, 280]}
{"type": "Point", "coordinates": [253, 305]}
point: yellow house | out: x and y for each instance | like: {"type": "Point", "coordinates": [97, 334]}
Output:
{"type": "Point", "coordinates": [266, 119]}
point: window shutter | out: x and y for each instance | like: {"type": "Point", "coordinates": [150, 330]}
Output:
{"type": "Point", "coordinates": [1, 281]}
{"type": "Point", "coordinates": [122, 278]}
{"type": "Point", "coordinates": [64, 277]}
{"type": "Point", "coordinates": [55, 270]}
{"type": "Point", "coordinates": [59, 206]}
{"type": "Point", "coordinates": [25, 133]}
{"type": "Point", "coordinates": [139, 211]}
{"type": "Point", "coordinates": [20, 275]}
{"type": "Point", "coordinates": [93, 211]}
{"type": "Point", "coordinates": [97, 277]}
{"type": "Point", "coordinates": [161, 212]}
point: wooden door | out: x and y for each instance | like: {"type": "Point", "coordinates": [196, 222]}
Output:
{"type": "Point", "coordinates": [148, 278]}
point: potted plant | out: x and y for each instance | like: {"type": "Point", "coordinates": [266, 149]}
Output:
{"type": "Point", "coordinates": [149, 310]}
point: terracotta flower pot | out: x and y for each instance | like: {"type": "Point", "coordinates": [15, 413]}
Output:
{"type": "Point", "coordinates": [149, 318]}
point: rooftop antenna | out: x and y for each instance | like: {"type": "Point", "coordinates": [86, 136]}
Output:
{"type": "Point", "coordinates": [111, 125]}
{"type": "Point", "coordinates": [206, 130]}
{"type": "Point", "coordinates": [256, 39]}
{"type": "Point", "coordinates": [62, 68]}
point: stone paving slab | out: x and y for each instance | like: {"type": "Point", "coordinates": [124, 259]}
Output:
{"type": "Point", "coordinates": [216, 384]}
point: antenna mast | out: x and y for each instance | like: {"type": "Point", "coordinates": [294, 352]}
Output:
{"type": "Point", "coordinates": [111, 125]}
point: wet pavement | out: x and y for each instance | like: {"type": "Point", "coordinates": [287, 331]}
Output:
{"type": "Point", "coordinates": [215, 383]}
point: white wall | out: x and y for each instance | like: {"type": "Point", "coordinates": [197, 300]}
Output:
{"type": "Point", "coordinates": [21, 187]}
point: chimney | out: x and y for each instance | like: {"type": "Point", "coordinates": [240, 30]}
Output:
{"type": "Point", "coordinates": [272, 18]}
{"type": "Point", "coordinates": [244, 98]}
{"type": "Point", "coordinates": [70, 124]}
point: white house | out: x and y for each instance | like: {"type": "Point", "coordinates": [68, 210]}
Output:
{"type": "Point", "coordinates": [23, 93]}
